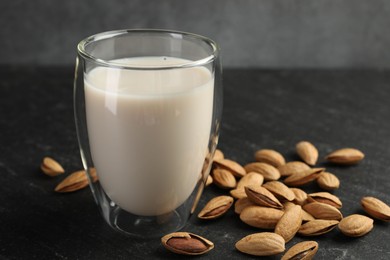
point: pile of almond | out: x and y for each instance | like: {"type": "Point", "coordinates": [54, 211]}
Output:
{"type": "Point", "coordinates": [263, 200]}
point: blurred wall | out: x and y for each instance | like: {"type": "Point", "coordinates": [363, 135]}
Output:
{"type": "Point", "coordinates": [251, 33]}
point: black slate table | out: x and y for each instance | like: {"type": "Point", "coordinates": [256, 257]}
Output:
{"type": "Point", "coordinates": [262, 109]}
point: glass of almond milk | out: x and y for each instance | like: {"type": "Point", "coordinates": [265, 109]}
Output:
{"type": "Point", "coordinates": [148, 107]}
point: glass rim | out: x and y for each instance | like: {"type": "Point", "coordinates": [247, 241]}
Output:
{"type": "Point", "coordinates": [110, 34]}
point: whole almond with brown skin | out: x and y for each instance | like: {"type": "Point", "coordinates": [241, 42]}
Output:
{"type": "Point", "coordinates": [185, 243]}
{"type": "Point", "coordinates": [304, 177]}
{"type": "Point", "coordinates": [289, 223]}
{"type": "Point", "coordinates": [325, 197]}
{"type": "Point", "coordinates": [376, 208]}
{"type": "Point", "coordinates": [51, 167]}
{"type": "Point", "coordinates": [356, 225]}
{"type": "Point", "coordinates": [302, 251]}
{"type": "Point", "coordinates": [241, 204]}
{"type": "Point", "coordinates": [251, 178]}
{"type": "Point", "coordinates": [281, 191]}
{"type": "Point", "coordinates": [308, 152]}
{"type": "Point", "coordinates": [300, 196]}
{"type": "Point", "coordinates": [238, 193]}
{"type": "Point", "coordinates": [216, 207]}
{"type": "Point", "coordinates": [269, 172]}
{"type": "Point", "coordinates": [291, 168]}
{"type": "Point", "coordinates": [328, 181]}
{"type": "Point", "coordinates": [261, 244]}
{"type": "Point", "coordinates": [218, 155]}
{"type": "Point", "coordinates": [317, 227]}
{"type": "Point", "coordinates": [345, 156]}
{"type": "Point", "coordinates": [261, 217]}
{"type": "Point", "coordinates": [287, 205]}
{"type": "Point", "coordinates": [224, 179]}
{"type": "Point", "coordinates": [323, 211]}
{"type": "Point", "coordinates": [76, 181]}
{"type": "Point", "coordinates": [262, 197]}
{"type": "Point", "coordinates": [234, 167]}
{"type": "Point", "coordinates": [271, 157]}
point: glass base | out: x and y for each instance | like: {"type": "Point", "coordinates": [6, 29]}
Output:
{"type": "Point", "coordinates": [145, 226]}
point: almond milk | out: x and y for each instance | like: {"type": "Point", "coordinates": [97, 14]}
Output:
{"type": "Point", "coordinates": [149, 131]}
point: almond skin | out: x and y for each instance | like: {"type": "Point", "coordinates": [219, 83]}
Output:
{"type": "Point", "coordinates": [345, 156]}
{"type": "Point", "coordinates": [308, 152]}
{"type": "Point", "coordinates": [356, 225]}
{"type": "Point", "coordinates": [261, 244]}
{"type": "Point", "coordinates": [209, 180]}
{"type": "Point", "coordinates": [251, 178]}
{"type": "Point", "coordinates": [376, 208]}
{"type": "Point", "coordinates": [271, 157]}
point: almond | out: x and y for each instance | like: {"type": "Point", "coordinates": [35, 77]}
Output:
{"type": "Point", "coordinates": [269, 172]}
{"type": "Point", "coordinates": [308, 152]}
{"type": "Point", "coordinates": [185, 243]}
{"type": "Point", "coordinates": [261, 196]}
{"type": "Point", "coordinates": [291, 168]}
{"type": "Point", "coordinates": [304, 177]}
{"type": "Point", "coordinates": [280, 190]}
{"type": "Point", "coordinates": [356, 225]}
{"type": "Point", "coordinates": [325, 197]}
{"type": "Point", "coordinates": [323, 211]}
{"type": "Point", "coordinates": [51, 167]}
{"type": "Point", "coordinates": [238, 193]}
{"type": "Point", "coordinates": [289, 223]}
{"type": "Point", "coordinates": [302, 251]}
{"type": "Point", "coordinates": [328, 181]}
{"type": "Point", "coordinates": [224, 179]}
{"type": "Point", "coordinates": [376, 208]}
{"type": "Point", "coordinates": [261, 217]}
{"type": "Point", "coordinates": [209, 180]}
{"type": "Point", "coordinates": [271, 157]}
{"type": "Point", "coordinates": [216, 207]}
{"type": "Point", "coordinates": [261, 244]}
{"type": "Point", "coordinates": [345, 156]}
{"type": "Point", "coordinates": [251, 178]}
{"type": "Point", "coordinates": [218, 155]}
{"type": "Point", "coordinates": [317, 227]}
{"type": "Point", "coordinates": [76, 181]}
{"type": "Point", "coordinates": [234, 167]}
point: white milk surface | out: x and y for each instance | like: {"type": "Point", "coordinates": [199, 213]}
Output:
{"type": "Point", "coordinates": [149, 131]}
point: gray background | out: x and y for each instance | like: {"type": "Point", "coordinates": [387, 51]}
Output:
{"type": "Point", "coordinates": [251, 33]}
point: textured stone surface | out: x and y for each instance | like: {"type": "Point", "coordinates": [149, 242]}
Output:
{"type": "Point", "coordinates": [263, 109]}
{"type": "Point", "coordinates": [251, 33]}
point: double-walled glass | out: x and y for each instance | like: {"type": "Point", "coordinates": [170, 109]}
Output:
{"type": "Point", "coordinates": [148, 106]}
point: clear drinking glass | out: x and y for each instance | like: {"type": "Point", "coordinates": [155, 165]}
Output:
{"type": "Point", "coordinates": [148, 107]}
